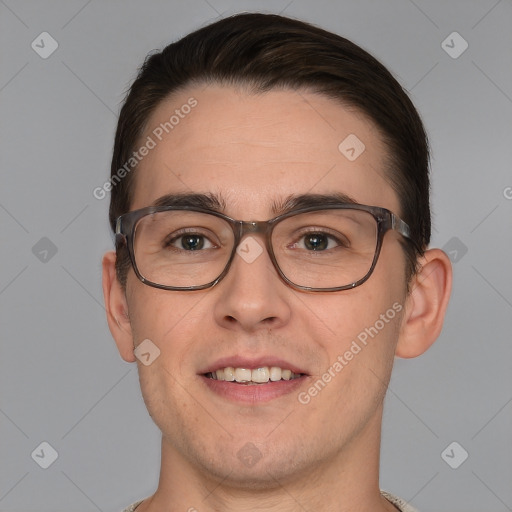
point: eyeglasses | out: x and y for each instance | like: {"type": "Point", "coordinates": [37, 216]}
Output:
{"type": "Point", "coordinates": [329, 248]}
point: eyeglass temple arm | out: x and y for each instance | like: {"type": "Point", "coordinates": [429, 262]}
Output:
{"type": "Point", "coordinates": [399, 225]}
{"type": "Point", "coordinates": [119, 236]}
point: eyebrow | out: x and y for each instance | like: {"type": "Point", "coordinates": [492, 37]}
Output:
{"type": "Point", "coordinates": [217, 203]}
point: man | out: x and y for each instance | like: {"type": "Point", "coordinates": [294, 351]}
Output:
{"type": "Point", "coordinates": [265, 348]}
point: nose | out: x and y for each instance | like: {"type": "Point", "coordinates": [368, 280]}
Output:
{"type": "Point", "coordinates": [252, 296]}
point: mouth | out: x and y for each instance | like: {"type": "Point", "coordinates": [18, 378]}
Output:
{"type": "Point", "coordinates": [253, 381]}
{"type": "Point", "coordinates": [255, 376]}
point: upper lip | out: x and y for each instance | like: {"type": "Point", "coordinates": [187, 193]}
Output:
{"type": "Point", "coordinates": [248, 362]}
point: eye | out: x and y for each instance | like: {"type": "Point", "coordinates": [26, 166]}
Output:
{"type": "Point", "coordinates": [188, 242]}
{"type": "Point", "coordinates": [318, 241]}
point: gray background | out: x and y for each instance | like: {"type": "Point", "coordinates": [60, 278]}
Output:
{"type": "Point", "coordinates": [61, 378]}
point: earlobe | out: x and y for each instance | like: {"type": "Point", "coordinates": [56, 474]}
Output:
{"type": "Point", "coordinates": [426, 304]}
{"type": "Point", "coordinates": [117, 308]}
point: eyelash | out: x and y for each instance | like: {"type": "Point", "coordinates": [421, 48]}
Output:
{"type": "Point", "coordinates": [324, 232]}
{"type": "Point", "coordinates": [171, 238]}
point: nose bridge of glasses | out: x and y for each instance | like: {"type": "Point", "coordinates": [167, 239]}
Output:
{"type": "Point", "coordinates": [248, 227]}
{"type": "Point", "coordinates": [261, 228]}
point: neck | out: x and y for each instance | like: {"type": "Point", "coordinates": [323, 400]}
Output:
{"type": "Point", "coordinates": [348, 481]}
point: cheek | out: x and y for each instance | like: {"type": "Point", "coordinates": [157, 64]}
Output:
{"type": "Point", "coordinates": [361, 327]}
{"type": "Point", "coordinates": [357, 317]}
{"type": "Point", "coordinates": [167, 318]}
{"type": "Point", "coordinates": [360, 360]}
{"type": "Point", "coordinates": [166, 400]}
{"type": "Point", "coordinates": [368, 332]}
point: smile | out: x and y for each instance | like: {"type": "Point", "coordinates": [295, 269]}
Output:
{"type": "Point", "coordinates": [250, 376]}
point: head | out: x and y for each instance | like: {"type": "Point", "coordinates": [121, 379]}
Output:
{"type": "Point", "coordinates": [250, 111]}
{"type": "Point", "coordinates": [260, 53]}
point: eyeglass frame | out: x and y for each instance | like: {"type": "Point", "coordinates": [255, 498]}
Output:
{"type": "Point", "coordinates": [386, 221]}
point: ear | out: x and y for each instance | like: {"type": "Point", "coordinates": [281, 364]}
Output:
{"type": "Point", "coordinates": [116, 307]}
{"type": "Point", "coordinates": [426, 304]}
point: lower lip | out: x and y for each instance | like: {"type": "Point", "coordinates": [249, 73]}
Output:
{"type": "Point", "coordinates": [256, 393]}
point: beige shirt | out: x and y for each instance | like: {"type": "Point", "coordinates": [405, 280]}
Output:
{"type": "Point", "coordinates": [399, 503]}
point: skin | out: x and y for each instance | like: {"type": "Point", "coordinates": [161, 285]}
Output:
{"type": "Point", "coordinates": [324, 455]}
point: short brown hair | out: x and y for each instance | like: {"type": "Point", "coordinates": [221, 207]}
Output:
{"type": "Point", "coordinates": [268, 51]}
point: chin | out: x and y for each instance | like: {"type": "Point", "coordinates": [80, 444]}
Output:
{"type": "Point", "coordinates": [263, 475]}
{"type": "Point", "coordinates": [264, 465]}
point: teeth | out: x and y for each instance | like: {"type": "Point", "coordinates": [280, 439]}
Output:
{"type": "Point", "coordinates": [243, 374]}
{"type": "Point", "coordinates": [260, 375]}
{"type": "Point", "coordinates": [257, 375]}
{"type": "Point", "coordinates": [229, 374]}
{"type": "Point", "coordinates": [275, 373]}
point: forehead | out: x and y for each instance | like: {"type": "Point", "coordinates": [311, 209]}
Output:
{"type": "Point", "coordinates": [253, 150]}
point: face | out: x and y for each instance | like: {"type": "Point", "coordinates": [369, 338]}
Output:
{"type": "Point", "coordinates": [254, 151]}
